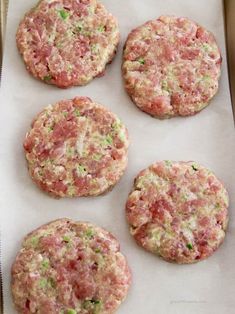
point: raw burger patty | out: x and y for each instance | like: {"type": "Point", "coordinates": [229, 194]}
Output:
{"type": "Point", "coordinates": [178, 210]}
{"type": "Point", "coordinates": [67, 43]}
{"type": "Point", "coordinates": [68, 267]}
{"type": "Point", "coordinates": [76, 148]}
{"type": "Point", "coordinates": [171, 67]}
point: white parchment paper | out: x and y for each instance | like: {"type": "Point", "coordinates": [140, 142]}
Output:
{"type": "Point", "coordinates": [208, 138]}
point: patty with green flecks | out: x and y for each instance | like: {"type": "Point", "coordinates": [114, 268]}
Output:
{"type": "Point", "coordinates": [67, 43]}
{"type": "Point", "coordinates": [68, 267]}
{"type": "Point", "coordinates": [171, 67]}
{"type": "Point", "coordinates": [178, 210]}
{"type": "Point", "coordinates": [76, 148]}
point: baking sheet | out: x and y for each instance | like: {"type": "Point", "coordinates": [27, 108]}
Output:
{"type": "Point", "coordinates": [208, 138]}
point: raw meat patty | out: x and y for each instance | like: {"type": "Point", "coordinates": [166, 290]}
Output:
{"type": "Point", "coordinates": [76, 148]}
{"type": "Point", "coordinates": [178, 210]}
{"type": "Point", "coordinates": [171, 67]}
{"type": "Point", "coordinates": [68, 267]}
{"type": "Point", "coordinates": [67, 43]}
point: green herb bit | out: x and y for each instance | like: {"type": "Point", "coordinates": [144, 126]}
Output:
{"type": "Point", "coordinates": [94, 47]}
{"type": "Point", "coordinates": [70, 151]}
{"type": "Point", "coordinates": [206, 78]}
{"type": "Point", "coordinates": [206, 47]}
{"type": "Point", "coordinates": [79, 28]}
{"type": "Point", "coordinates": [64, 14]}
{"type": "Point", "coordinates": [71, 191]}
{"type": "Point", "coordinates": [47, 283]}
{"type": "Point", "coordinates": [89, 233]}
{"type": "Point", "coordinates": [194, 168]}
{"type": "Point", "coordinates": [97, 250]}
{"type": "Point", "coordinates": [47, 78]}
{"type": "Point", "coordinates": [189, 246]}
{"type": "Point", "coordinates": [40, 173]}
{"type": "Point", "coordinates": [71, 311]}
{"type": "Point", "coordinates": [51, 283]}
{"type": "Point", "coordinates": [101, 28]}
{"type": "Point", "coordinates": [34, 241]}
{"type": "Point", "coordinates": [45, 264]}
{"type": "Point", "coordinates": [168, 163]}
{"type": "Point", "coordinates": [77, 113]}
{"type": "Point", "coordinates": [95, 301]}
{"type": "Point", "coordinates": [66, 239]}
{"type": "Point", "coordinates": [96, 304]}
{"type": "Point", "coordinates": [43, 283]}
{"type": "Point", "coordinates": [116, 125]}
{"type": "Point", "coordinates": [122, 135]}
{"type": "Point", "coordinates": [97, 157]}
{"type": "Point", "coordinates": [165, 85]}
{"type": "Point", "coordinates": [81, 169]}
{"type": "Point", "coordinates": [141, 60]}
{"type": "Point", "coordinates": [108, 140]}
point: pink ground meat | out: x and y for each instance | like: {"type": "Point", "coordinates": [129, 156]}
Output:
{"type": "Point", "coordinates": [67, 43]}
{"type": "Point", "coordinates": [171, 67]}
{"type": "Point", "coordinates": [76, 148]}
{"type": "Point", "coordinates": [68, 267]}
{"type": "Point", "coordinates": [178, 210]}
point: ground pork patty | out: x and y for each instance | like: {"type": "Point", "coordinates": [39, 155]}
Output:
{"type": "Point", "coordinates": [178, 210]}
{"type": "Point", "coordinates": [68, 267]}
{"type": "Point", "coordinates": [171, 67]}
{"type": "Point", "coordinates": [67, 43]}
{"type": "Point", "coordinates": [76, 148]}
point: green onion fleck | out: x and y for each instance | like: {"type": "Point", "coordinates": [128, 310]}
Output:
{"type": "Point", "coordinates": [43, 283]}
{"type": "Point", "coordinates": [45, 264]}
{"type": "Point", "coordinates": [34, 241]}
{"type": "Point", "coordinates": [89, 233]}
{"type": "Point", "coordinates": [141, 60]}
{"type": "Point", "coordinates": [92, 304]}
{"type": "Point", "coordinates": [81, 170]}
{"type": "Point", "coordinates": [189, 246]}
{"type": "Point", "coordinates": [71, 311]}
{"type": "Point", "coordinates": [66, 239]}
{"type": "Point", "coordinates": [165, 85]}
{"type": "Point", "coordinates": [206, 78]}
{"type": "Point", "coordinates": [64, 14]}
{"type": "Point", "coordinates": [101, 28]}
{"type": "Point", "coordinates": [108, 140]}
{"type": "Point", "coordinates": [50, 128]}
{"type": "Point", "coordinates": [207, 47]}
{"type": "Point", "coordinates": [94, 47]}
{"type": "Point", "coordinates": [77, 113]}
{"type": "Point", "coordinates": [79, 28]}
{"type": "Point", "coordinates": [51, 283]}
{"type": "Point", "coordinates": [47, 283]}
{"type": "Point", "coordinates": [47, 78]}
{"type": "Point", "coordinates": [168, 163]}
{"type": "Point", "coordinates": [194, 168]}
{"type": "Point", "coordinates": [116, 125]}
{"type": "Point", "coordinates": [97, 157]}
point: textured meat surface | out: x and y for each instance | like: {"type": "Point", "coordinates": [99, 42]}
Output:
{"type": "Point", "coordinates": [171, 66]}
{"type": "Point", "coordinates": [178, 210]}
{"type": "Point", "coordinates": [76, 148]}
{"type": "Point", "coordinates": [67, 43]}
{"type": "Point", "coordinates": [68, 267]}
